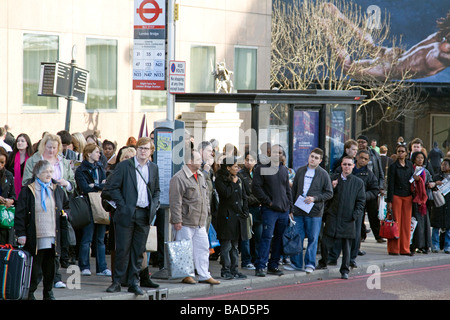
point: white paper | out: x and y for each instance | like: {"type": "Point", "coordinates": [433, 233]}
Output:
{"type": "Point", "coordinates": [445, 187]}
{"type": "Point", "coordinates": [416, 173]}
{"type": "Point", "coordinates": [300, 203]}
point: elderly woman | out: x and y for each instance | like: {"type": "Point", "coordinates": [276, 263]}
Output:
{"type": "Point", "coordinates": [40, 224]}
{"type": "Point", "coordinates": [50, 149]}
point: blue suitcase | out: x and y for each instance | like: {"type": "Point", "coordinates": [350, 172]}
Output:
{"type": "Point", "coordinates": [15, 272]}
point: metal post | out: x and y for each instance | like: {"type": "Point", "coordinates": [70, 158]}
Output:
{"type": "Point", "coordinates": [73, 64]}
{"type": "Point", "coordinates": [170, 55]}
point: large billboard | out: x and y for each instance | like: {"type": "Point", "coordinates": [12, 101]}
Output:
{"type": "Point", "coordinates": [424, 28]}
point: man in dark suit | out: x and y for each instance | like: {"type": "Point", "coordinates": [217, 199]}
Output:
{"type": "Point", "coordinates": [134, 187]}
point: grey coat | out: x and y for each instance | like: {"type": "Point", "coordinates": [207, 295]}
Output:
{"type": "Point", "coordinates": [321, 189]}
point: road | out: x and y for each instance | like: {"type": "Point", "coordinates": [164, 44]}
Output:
{"type": "Point", "coordinates": [424, 283]}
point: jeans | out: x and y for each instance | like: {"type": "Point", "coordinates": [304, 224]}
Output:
{"type": "Point", "coordinates": [257, 231]}
{"type": "Point", "coordinates": [85, 247]}
{"type": "Point", "coordinates": [246, 257]}
{"type": "Point", "coordinates": [307, 227]}
{"type": "Point", "coordinates": [274, 225]}
{"type": "Point", "coordinates": [435, 240]}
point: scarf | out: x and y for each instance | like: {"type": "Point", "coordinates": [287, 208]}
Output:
{"type": "Point", "coordinates": [18, 173]}
{"type": "Point", "coordinates": [420, 193]}
{"type": "Point", "coordinates": [45, 189]}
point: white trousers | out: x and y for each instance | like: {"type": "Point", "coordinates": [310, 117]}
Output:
{"type": "Point", "coordinates": [200, 248]}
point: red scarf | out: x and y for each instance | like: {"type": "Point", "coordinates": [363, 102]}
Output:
{"type": "Point", "coordinates": [18, 173]}
{"type": "Point", "coordinates": [420, 193]}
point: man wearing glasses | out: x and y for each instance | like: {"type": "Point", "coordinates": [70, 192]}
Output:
{"type": "Point", "coordinates": [134, 187]}
{"type": "Point", "coordinates": [347, 205]}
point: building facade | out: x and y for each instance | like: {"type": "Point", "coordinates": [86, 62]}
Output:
{"type": "Point", "coordinates": [208, 31]}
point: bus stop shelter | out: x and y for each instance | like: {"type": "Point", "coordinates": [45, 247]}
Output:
{"type": "Point", "coordinates": [299, 120]}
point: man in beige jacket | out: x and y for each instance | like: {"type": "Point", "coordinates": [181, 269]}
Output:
{"type": "Point", "coordinates": [189, 205]}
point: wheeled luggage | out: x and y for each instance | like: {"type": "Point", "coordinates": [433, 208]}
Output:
{"type": "Point", "coordinates": [15, 272]}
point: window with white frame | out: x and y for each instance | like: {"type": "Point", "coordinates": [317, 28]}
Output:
{"type": "Point", "coordinates": [203, 62]}
{"type": "Point", "coordinates": [37, 48]}
{"type": "Point", "coordinates": [245, 68]}
{"type": "Point", "coordinates": [101, 61]}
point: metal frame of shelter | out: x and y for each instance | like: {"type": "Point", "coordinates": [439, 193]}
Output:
{"type": "Point", "coordinates": [316, 100]}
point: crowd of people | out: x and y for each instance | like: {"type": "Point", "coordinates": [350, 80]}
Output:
{"type": "Point", "coordinates": [248, 198]}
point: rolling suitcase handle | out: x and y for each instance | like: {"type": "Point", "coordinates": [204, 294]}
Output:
{"type": "Point", "coordinates": [5, 269]}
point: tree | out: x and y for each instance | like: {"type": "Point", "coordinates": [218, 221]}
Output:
{"type": "Point", "coordinates": [333, 45]}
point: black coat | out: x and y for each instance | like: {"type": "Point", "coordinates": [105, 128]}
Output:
{"type": "Point", "coordinates": [348, 203]}
{"type": "Point", "coordinates": [122, 187]}
{"type": "Point", "coordinates": [7, 185]}
{"type": "Point", "coordinates": [233, 209]}
{"type": "Point", "coordinates": [440, 217]}
{"type": "Point", "coordinates": [370, 182]}
{"type": "Point", "coordinates": [24, 220]}
{"type": "Point", "coordinates": [246, 177]}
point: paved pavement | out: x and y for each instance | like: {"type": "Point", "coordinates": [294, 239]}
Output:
{"type": "Point", "coordinates": [93, 287]}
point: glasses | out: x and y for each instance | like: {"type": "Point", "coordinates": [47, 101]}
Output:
{"type": "Point", "coordinates": [143, 149]}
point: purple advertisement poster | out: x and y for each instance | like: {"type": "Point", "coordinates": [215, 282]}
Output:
{"type": "Point", "coordinates": [306, 136]}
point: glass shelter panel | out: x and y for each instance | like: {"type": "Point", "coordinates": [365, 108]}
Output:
{"type": "Point", "coordinates": [273, 126]}
{"type": "Point", "coordinates": [338, 130]}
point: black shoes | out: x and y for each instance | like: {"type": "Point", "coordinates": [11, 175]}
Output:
{"type": "Point", "coordinates": [48, 296]}
{"type": "Point", "coordinates": [260, 273]}
{"type": "Point", "coordinates": [115, 287]}
{"type": "Point", "coordinates": [136, 290]}
{"type": "Point", "coordinates": [275, 271]}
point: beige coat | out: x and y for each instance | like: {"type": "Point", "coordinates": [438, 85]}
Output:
{"type": "Point", "coordinates": [188, 198]}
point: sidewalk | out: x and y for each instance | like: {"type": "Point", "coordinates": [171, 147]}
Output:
{"type": "Point", "coordinates": [93, 287]}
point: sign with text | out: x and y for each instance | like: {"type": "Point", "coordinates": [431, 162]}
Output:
{"type": "Point", "coordinates": [177, 76]}
{"type": "Point", "coordinates": [55, 81]}
{"type": "Point", "coordinates": [149, 52]}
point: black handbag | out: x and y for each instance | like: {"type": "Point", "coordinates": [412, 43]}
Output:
{"type": "Point", "coordinates": [79, 215]}
{"type": "Point", "coordinates": [291, 240]}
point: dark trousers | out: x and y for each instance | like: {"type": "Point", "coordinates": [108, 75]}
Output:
{"type": "Point", "coordinates": [274, 224]}
{"type": "Point", "coordinates": [372, 215]}
{"type": "Point", "coordinates": [328, 243]}
{"type": "Point", "coordinates": [43, 269]}
{"type": "Point", "coordinates": [130, 247]}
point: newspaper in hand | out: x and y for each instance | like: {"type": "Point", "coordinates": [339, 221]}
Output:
{"type": "Point", "coordinates": [445, 186]}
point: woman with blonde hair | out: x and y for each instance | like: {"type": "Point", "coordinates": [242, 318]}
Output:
{"type": "Point", "coordinates": [79, 142]}
{"type": "Point", "coordinates": [50, 149]}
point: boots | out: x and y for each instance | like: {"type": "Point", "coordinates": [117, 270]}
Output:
{"type": "Point", "coordinates": [145, 280]}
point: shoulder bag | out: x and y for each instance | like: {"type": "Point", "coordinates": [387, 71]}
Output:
{"type": "Point", "coordinates": [79, 215]}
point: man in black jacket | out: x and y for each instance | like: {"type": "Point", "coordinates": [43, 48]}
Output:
{"type": "Point", "coordinates": [134, 187]}
{"type": "Point", "coordinates": [271, 187]}
{"type": "Point", "coordinates": [374, 165]}
{"type": "Point", "coordinates": [347, 205]}
{"type": "Point", "coordinates": [372, 189]}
